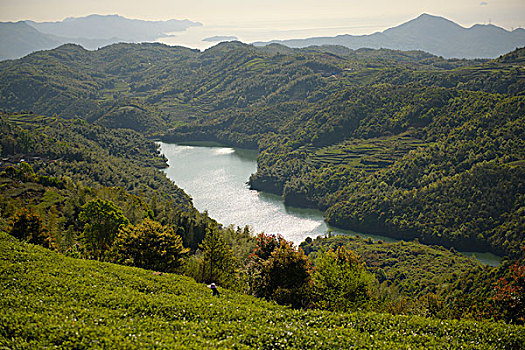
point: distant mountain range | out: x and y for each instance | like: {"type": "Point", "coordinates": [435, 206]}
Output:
{"type": "Point", "coordinates": [18, 39]}
{"type": "Point", "coordinates": [433, 34]}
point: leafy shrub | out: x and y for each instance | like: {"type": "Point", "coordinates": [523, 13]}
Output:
{"type": "Point", "coordinates": [510, 295]}
{"type": "Point", "coordinates": [102, 221]}
{"type": "Point", "coordinates": [279, 271]}
{"type": "Point", "coordinates": [341, 281]}
{"type": "Point", "coordinates": [149, 245]}
{"type": "Point", "coordinates": [24, 172]}
{"type": "Point", "coordinates": [27, 225]}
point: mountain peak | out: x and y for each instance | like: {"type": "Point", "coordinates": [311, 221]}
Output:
{"type": "Point", "coordinates": [434, 34]}
{"type": "Point", "coordinates": [427, 19]}
{"type": "Point", "coordinates": [425, 26]}
{"type": "Point", "coordinates": [425, 15]}
{"type": "Point", "coordinates": [227, 46]}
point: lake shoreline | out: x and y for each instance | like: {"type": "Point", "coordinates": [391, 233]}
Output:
{"type": "Point", "coordinates": [483, 255]}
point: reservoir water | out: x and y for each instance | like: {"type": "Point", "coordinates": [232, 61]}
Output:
{"type": "Point", "coordinates": [215, 177]}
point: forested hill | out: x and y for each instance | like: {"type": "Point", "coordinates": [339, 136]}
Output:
{"type": "Point", "coordinates": [151, 86]}
{"type": "Point", "coordinates": [93, 155]}
{"type": "Point", "coordinates": [402, 143]}
{"type": "Point", "coordinates": [52, 169]}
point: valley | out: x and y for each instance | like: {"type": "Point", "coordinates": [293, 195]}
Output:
{"type": "Point", "coordinates": [347, 132]}
{"type": "Point", "coordinates": [423, 156]}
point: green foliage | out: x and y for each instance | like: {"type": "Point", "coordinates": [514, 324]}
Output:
{"type": "Point", "coordinates": [75, 162]}
{"type": "Point", "coordinates": [242, 241]}
{"type": "Point", "coordinates": [365, 135]}
{"type": "Point", "coordinates": [59, 203]}
{"type": "Point", "coordinates": [404, 144]}
{"type": "Point", "coordinates": [411, 268]}
{"type": "Point", "coordinates": [279, 271]}
{"type": "Point", "coordinates": [24, 172]}
{"type": "Point", "coordinates": [148, 245]}
{"type": "Point", "coordinates": [114, 85]}
{"type": "Point", "coordinates": [27, 225]}
{"type": "Point", "coordinates": [410, 275]}
{"type": "Point", "coordinates": [341, 281]}
{"type": "Point", "coordinates": [452, 174]}
{"type": "Point", "coordinates": [218, 261]}
{"type": "Point", "coordinates": [94, 155]}
{"type": "Point", "coordinates": [48, 300]}
{"type": "Point", "coordinates": [417, 279]}
{"type": "Point", "coordinates": [102, 221]}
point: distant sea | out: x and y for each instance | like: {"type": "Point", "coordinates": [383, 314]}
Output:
{"type": "Point", "coordinates": [267, 31]}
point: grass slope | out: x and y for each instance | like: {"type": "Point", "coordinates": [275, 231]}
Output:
{"type": "Point", "coordinates": [48, 300]}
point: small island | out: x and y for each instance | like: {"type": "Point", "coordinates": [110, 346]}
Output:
{"type": "Point", "coordinates": [220, 38]}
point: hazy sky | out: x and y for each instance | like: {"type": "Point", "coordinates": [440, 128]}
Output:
{"type": "Point", "coordinates": [252, 20]}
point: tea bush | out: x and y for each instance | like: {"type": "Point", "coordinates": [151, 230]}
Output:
{"type": "Point", "coordinates": [48, 300]}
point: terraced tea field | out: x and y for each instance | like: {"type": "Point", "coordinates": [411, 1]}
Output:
{"type": "Point", "coordinates": [32, 121]}
{"type": "Point", "coordinates": [367, 154]}
{"type": "Point", "coordinates": [48, 300]}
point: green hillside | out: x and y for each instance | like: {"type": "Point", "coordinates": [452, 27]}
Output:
{"type": "Point", "coordinates": [417, 279]}
{"type": "Point", "coordinates": [95, 155]}
{"type": "Point", "coordinates": [54, 166]}
{"type": "Point", "coordinates": [404, 144]}
{"type": "Point", "coordinates": [410, 268]}
{"type": "Point", "coordinates": [48, 300]}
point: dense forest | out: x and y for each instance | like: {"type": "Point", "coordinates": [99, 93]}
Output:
{"type": "Point", "coordinates": [404, 144]}
{"type": "Point", "coordinates": [417, 279]}
{"type": "Point", "coordinates": [400, 143]}
{"type": "Point", "coordinates": [53, 167]}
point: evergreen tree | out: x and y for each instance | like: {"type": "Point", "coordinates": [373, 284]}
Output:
{"type": "Point", "coordinates": [218, 262]}
{"type": "Point", "coordinates": [102, 220]}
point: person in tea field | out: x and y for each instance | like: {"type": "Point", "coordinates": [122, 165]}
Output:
{"type": "Point", "coordinates": [214, 289]}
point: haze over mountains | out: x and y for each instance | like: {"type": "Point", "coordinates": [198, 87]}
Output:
{"type": "Point", "coordinates": [94, 31]}
{"type": "Point", "coordinates": [19, 39]}
{"type": "Point", "coordinates": [433, 34]}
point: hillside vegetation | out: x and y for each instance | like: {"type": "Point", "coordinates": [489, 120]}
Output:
{"type": "Point", "coordinates": [404, 144]}
{"type": "Point", "coordinates": [94, 155]}
{"type": "Point", "coordinates": [54, 167]}
{"type": "Point", "coordinates": [411, 268]}
{"type": "Point", "coordinates": [72, 194]}
{"type": "Point", "coordinates": [48, 300]}
{"type": "Point", "coordinates": [417, 279]}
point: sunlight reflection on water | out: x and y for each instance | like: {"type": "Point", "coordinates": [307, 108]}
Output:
{"type": "Point", "coordinates": [216, 180]}
{"type": "Point", "coordinates": [224, 151]}
{"type": "Point", "coordinates": [215, 177]}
